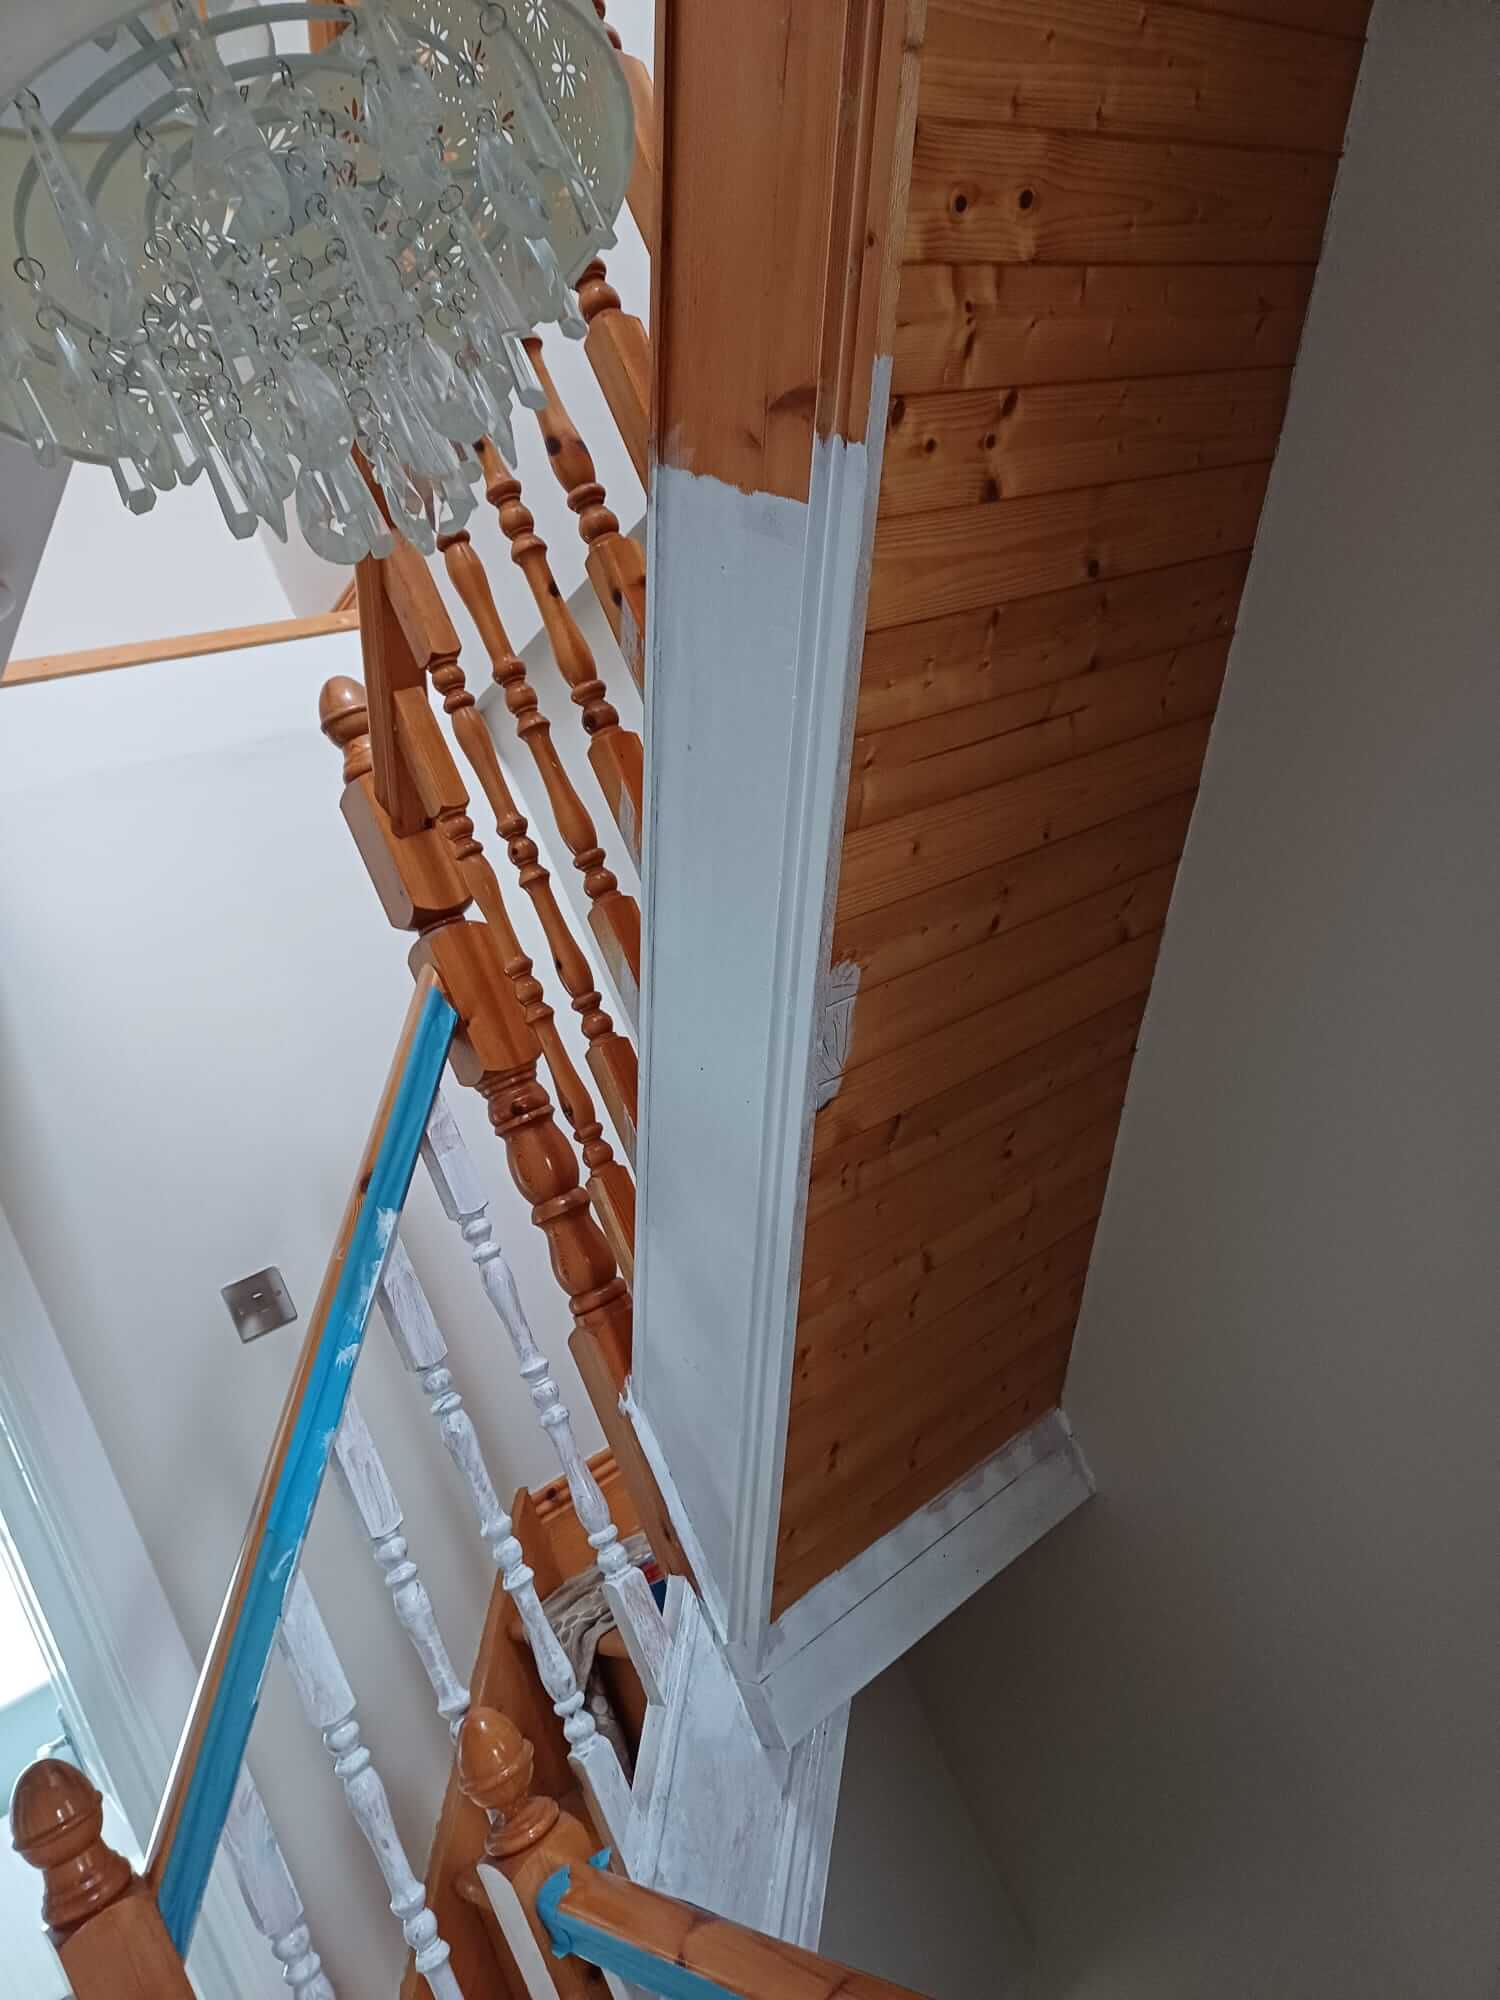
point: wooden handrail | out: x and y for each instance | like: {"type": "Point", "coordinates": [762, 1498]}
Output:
{"type": "Point", "coordinates": [211, 1748]}
{"type": "Point", "coordinates": [616, 567]}
{"type": "Point", "coordinates": [673, 1949]}
{"type": "Point", "coordinates": [102, 1918]}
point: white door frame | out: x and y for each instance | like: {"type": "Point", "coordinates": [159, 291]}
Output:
{"type": "Point", "coordinates": [116, 1652]}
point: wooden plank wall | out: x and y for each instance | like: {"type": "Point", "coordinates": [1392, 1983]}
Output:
{"type": "Point", "coordinates": [1116, 210]}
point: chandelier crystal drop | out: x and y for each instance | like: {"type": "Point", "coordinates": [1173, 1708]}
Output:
{"type": "Point", "coordinates": [250, 266]}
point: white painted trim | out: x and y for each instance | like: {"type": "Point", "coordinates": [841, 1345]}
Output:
{"type": "Point", "coordinates": [756, 608]}
{"type": "Point", "coordinates": [117, 1653]}
{"type": "Point", "coordinates": [854, 1624]}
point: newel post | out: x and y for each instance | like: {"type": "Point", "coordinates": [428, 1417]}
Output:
{"type": "Point", "coordinates": [102, 1918]}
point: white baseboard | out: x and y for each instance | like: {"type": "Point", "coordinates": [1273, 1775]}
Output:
{"type": "Point", "coordinates": [847, 1629]}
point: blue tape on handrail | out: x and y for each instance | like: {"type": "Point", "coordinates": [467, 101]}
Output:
{"type": "Point", "coordinates": [571, 1937]}
{"type": "Point", "coordinates": [222, 1749]}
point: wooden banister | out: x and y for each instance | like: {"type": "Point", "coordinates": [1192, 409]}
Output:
{"type": "Point", "coordinates": [613, 917]}
{"type": "Point", "coordinates": [530, 1837]}
{"type": "Point", "coordinates": [615, 564]}
{"type": "Point", "coordinates": [640, 1935]}
{"type": "Point", "coordinates": [102, 1918]}
{"type": "Point", "coordinates": [614, 753]}
{"type": "Point", "coordinates": [496, 1052]}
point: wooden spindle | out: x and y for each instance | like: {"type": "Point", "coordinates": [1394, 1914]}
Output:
{"type": "Point", "coordinates": [328, 1700]}
{"type": "Point", "coordinates": [643, 193]}
{"type": "Point", "coordinates": [530, 1837]}
{"type": "Point", "coordinates": [611, 1058]}
{"type": "Point", "coordinates": [495, 1052]}
{"type": "Point", "coordinates": [619, 351]}
{"type": "Point", "coordinates": [102, 1918]}
{"type": "Point", "coordinates": [615, 564]}
{"type": "Point", "coordinates": [465, 1203]}
{"type": "Point", "coordinates": [614, 753]}
{"type": "Point", "coordinates": [271, 1896]}
{"type": "Point", "coordinates": [363, 1476]}
{"type": "Point", "coordinates": [445, 800]}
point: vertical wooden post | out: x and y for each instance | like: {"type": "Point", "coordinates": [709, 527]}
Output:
{"type": "Point", "coordinates": [616, 567]}
{"type": "Point", "coordinates": [102, 1918]}
{"type": "Point", "coordinates": [530, 1837]}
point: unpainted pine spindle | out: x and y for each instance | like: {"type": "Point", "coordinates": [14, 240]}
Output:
{"type": "Point", "coordinates": [103, 1919]}
{"type": "Point", "coordinates": [445, 800]}
{"type": "Point", "coordinates": [530, 1837]}
{"type": "Point", "coordinates": [615, 564]}
{"type": "Point", "coordinates": [610, 1056]}
{"type": "Point", "coordinates": [619, 351]}
{"type": "Point", "coordinates": [645, 180]}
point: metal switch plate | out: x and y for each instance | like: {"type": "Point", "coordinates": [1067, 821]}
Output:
{"type": "Point", "coordinates": [259, 1304]}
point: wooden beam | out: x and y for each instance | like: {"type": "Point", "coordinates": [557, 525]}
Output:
{"type": "Point", "coordinates": [185, 646]}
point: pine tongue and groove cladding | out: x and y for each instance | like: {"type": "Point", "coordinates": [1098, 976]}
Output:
{"type": "Point", "coordinates": [1115, 214]}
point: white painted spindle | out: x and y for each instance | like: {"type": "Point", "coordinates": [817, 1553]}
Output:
{"type": "Point", "coordinates": [406, 1312]}
{"type": "Point", "coordinates": [324, 1691]}
{"type": "Point", "coordinates": [363, 1476]}
{"type": "Point", "coordinates": [627, 1592]}
{"type": "Point", "coordinates": [270, 1894]}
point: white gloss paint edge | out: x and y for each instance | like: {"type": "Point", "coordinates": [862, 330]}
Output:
{"type": "Point", "coordinates": [857, 1622]}
{"type": "Point", "coordinates": [118, 1645]}
{"type": "Point", "coordinates": [756, 608]}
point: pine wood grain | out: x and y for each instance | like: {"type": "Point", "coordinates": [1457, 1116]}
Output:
{"type": "Point", "coordinates": [910, 672]}
{"type": "Point", "coordinates": [966, 557]}
{"type": "Point", "coordinates": [849, 1170]}
{"type": "Point", "coordinates": [929, 997]}
{"type": "Point", "coordinates": [962, 448]}
{"type": "Point", "coordinates": [984, 1172]}
{"type": "Point", "coordinates": [928, 928]}
{"type": "Point", "coordinates": [903, 857]}
{"type": "Point", "coordinates": [901, 770]}
{"type": "Point", "coordinates": [839, 1341]}
{"type": "Point", "coordinates": [1008, 195]}
{"type": "Point", "coordinates": [979, 326]}
{"type": "Point", "coordinates": [1152, 70]}
{"type": "Point", "coordinates": [1330, 17]}
{"type": "Point", "coordinates": [882, 1089]}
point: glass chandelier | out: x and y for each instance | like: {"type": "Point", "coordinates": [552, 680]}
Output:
{"type": "Point", "coordinates": [249, 264]}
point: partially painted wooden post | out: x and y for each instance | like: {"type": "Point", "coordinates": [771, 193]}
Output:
{"type": "Point", "coordinates": [328, 1702]}
{"type": "Point", "coordinates": [770, 347]}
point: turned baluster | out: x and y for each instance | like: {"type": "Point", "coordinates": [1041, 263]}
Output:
{"type": "Point", "coordinates": [495, 1053]}
{"type": "Point", "coordinates": [610, 1056]}
{"type": "Point", "coordinates": [417, 1337]}
{"type": "Point", "coordinates": [430, 766]}
{"type": "Point", "coordinates": [614, 753]}
{"type": "Point", "coordinates": [619, 351]}
{"type": "Point", "coordinates": [645, 179]}
{"type": "Point", "coordinates": [465, 1203]}
{"type": "Point", "coordinates": [328, 1700]}
{"type": "Point", "coordinates": [530, 1837]}
{"type": "Point", "coordinates": [271, 1896]}
{"type": "Point", "coordinates": [615, 564]}
{"type": "Point", "coordinates": [102, 1918]}
{"type": "Point", "coordinates": [363, 1476]}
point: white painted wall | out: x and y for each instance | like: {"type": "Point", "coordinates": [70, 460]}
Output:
{"type": "Point", "coordinates": [1238, 1712]}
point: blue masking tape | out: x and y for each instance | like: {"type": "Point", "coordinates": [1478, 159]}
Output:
{"type": "Point", "coordinates": [573, 1938]}
{"type": "Point", "coordinates": [222, 1750]}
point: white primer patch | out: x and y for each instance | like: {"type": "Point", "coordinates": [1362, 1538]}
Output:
{"type": "Point", "coordinates": [835, 1030]}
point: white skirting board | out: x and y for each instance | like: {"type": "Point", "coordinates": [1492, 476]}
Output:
{"type": "Point", "coordinates": [851, 1626]}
